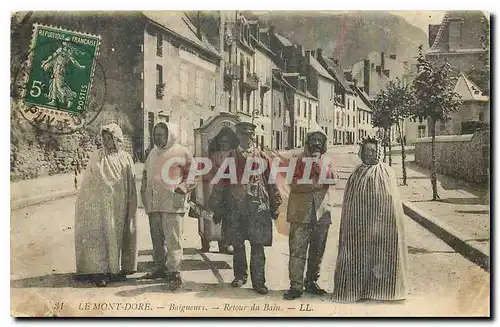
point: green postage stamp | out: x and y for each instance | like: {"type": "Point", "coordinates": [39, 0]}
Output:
{"type": "Point", "coordinates": [60, 73]}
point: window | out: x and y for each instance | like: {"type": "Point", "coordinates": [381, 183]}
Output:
{"type": "Point", "coordinates": [310, 110]}
{"type": "Point", "coordinates": [159, 82]}
{"type": "Point", "coordinates": [305, 109]}
{"type": "Point", "coordinates": [338, 118]}
{"type": "Point", "coordinates": [348, 104]}
{"type": "Point", "coordinates": [248, 104]}
{"type": "Point", "coordinates": [421, 131]}
{"type": "Point", "coordinates": [353, 121]}
{"type": "Point", "coordinates": [295, 137]}
{"type": "Point", "coordinates": [184, 81]}
{"type": "Point", "coordinates": [298, 108]}
{"type": "Point", "coordinates": [159, 44]}
{"type": "Point", "coordinates": [199, 87]}
{"type": "Point", "coordinates": [151, 124]}
{"type": "Point", "coordinates": [279, 109]}
{"type": "Point", "coordinates": [348, 120]}
{"type": "Point", "coordinates": [159, 74]}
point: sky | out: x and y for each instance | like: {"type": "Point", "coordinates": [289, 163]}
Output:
{"type": "Point", "coordinates": [421, 19]}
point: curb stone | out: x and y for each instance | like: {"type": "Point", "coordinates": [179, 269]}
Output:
{"type": "Point", "coordinates": [34, 200]}
{"type": "Point", "coordinates": [28, 202]}
{"type": "Point", "coordinates": [446, 233]}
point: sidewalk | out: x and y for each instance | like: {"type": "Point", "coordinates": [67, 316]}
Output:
{"type": "Point", "coordinates": [461, 218]}
{"type": "Point", "coordinates": [48, 188]}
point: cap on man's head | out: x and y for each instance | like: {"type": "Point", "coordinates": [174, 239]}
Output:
{"type": "Point", "coordinates": [245, 127]}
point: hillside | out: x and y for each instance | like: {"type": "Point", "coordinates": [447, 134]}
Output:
{"type": "Point", "coordinates": [364, 31]}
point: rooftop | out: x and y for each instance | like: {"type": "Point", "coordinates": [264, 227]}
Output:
{"type": "Point", "coordinates": [320, 69]}
{"type": "Point", "coordinates": [468, 91]}
{"type": "Point", "coordinates": [180, 25]}
{"type": "Point", "coordinates": [338, 73]}
{"type": "Point", "coordinates": [284, 40]}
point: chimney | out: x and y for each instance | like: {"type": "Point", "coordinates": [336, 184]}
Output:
{"type": "Point", "coordinates": [319, 53]}
{"type": "Point", "coordinates": [198, 25]}
{"type": "Point", "coordinates": [393, 56]}
{"type": "Point", "coordinates": [382, 61]}
{"type": "Point", "coordinates": [366, 76]}
{"type": "Point", "coordinates": [433, 30]}
{"type": "Point", "coordinates": [272, 29]}
{"type": "Point", "coordinates": [313, 53]}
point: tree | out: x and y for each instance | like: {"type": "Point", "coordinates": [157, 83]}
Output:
{"type": "Point", "coordinates": [400, 101]}
{"type": "Point", "coordinates": [435, 100]}
{"type": "Point", "coordinates": [382, 117]}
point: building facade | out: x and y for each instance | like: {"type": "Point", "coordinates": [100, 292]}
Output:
{"type": "Point", "coordinates": [179, 76]}
{"type": "Point", "coordinates": [248, 72]}
{"type": "Point", "coordinates": [457, 40]}
{"type": "Point", "coordinates": [364, 114]}
{"type": "Point", "coordinates": [321, 85]}
{"type": "Point", "coordinates": [281, 111]}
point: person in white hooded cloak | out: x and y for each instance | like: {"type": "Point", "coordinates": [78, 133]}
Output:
{"type": "Point", "coordinates": [372, 259]}
{"type": "Point", "coordinates": [105, 215]}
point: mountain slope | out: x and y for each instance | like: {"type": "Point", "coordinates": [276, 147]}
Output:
{"type": "Point", "coordinates": [364, 31]}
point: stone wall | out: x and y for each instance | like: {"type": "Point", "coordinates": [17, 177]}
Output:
{"type": "Point", "coordinates": [462, 156]}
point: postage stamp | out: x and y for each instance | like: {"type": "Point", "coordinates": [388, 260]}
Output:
{"type": "Point", "coordinates": [60, 73]}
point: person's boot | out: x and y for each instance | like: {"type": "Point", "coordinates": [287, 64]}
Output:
{"type": "Point", "coordinates": [226, 249]}
{"type": "Point", "coordinates": [175, 280]}
{"type": "Point", "coordinates": [238, 282]}
{"type": "Point", "coordinates": [205, 246]}
{"type": "Point", "coordinates": [100, 280]}
{"type": "Point", "coordinates": [292, 294]}
{"type": "Point", "coordinates": [312, 287]}
{"type": "Point", "coordinates": [261, 289]}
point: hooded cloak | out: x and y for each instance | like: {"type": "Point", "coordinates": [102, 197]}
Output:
{"type": "Point", "coordinates": [372, 256]}
{"type": "Point", "coordinates": [105, 215]}
{"type": "Point", "coordinates": [158, 193]}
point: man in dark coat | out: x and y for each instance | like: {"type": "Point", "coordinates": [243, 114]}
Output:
{"type": "Point", "coordinates": [248, 209]}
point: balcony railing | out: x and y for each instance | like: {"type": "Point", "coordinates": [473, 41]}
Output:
{"type": "Point", "coordinates": [265, 84]}
{"type": "Point", "coordinates": [251, 81]}
{"type": "Point", "coordinates": [160, 91]}
{"type": "Point", "coordinates": [232, 71]}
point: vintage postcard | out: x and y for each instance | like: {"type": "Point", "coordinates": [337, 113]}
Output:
{"type": "Point", "coordinates": [250, 163]}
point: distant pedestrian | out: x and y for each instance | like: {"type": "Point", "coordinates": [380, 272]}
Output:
{"type": "Point", "coordinates": [105, 217]}
{"type": "Point", "coordinates": [309, 215]}
{"type": "Point", "coordinates": [372, 259]}
{"type": "Point", "coordinates": [166, 201]}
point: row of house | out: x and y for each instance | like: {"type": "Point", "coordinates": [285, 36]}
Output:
{"type": "Point", "coordinates": [164, 66]}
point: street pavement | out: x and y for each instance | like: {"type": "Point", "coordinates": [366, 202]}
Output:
{"type": "Point", "coordinates": [441, 281]}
